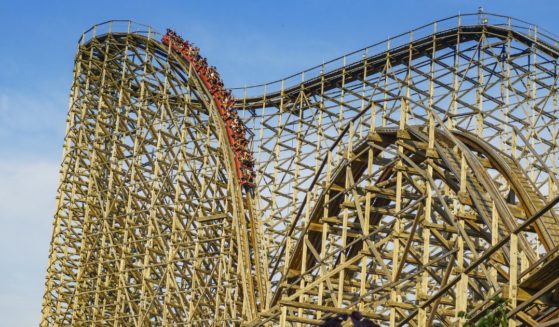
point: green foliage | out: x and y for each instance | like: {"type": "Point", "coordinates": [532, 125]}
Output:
{"type": "Point", "coordinates": [496, 317]}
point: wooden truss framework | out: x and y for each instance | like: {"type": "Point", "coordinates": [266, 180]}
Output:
{"type": "Point", "coordinates": [411, 180]}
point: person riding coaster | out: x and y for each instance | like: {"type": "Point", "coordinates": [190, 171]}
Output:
{"type": "Point", "coordinates": [247, 175]}
{"type": "Point", "coordinates": [246, 159]}
{"type": "Point", "coordinates": [229, 114]}
{"type": "Point", "coordinates": [240, 144]}
{"type": "Point", "coordinates": [225, 101]}
{"type": "Point", "coordinates": [238, 127]}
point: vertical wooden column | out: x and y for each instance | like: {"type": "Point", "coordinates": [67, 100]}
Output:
{"type": "Point", "coordinates": [462, 287]}
{"type": "Point", "coordinates": [431, 154]}
{"type": "Point", "coordinates": [326, 212]}
{"type": "Point", "coordinates": [318, 160]}
{"type": "Point", "coordinates": [303, 280]}
{"type": "Point", "coordinates": [266, 237]}
{"type": "Point", "coordinates": [288, 241]}
{"type": "Point", "coordinates": [126, 246]}
{"type": "Point", "coordinates": [554, 135]}
{"type": "Point", "coordinates": [345, 215]}
{"type": "Point", "coordinates": [455, 78]}
{"type": "Point", "coordinates": [513, 275]}
{"type": "Point", "coordinates": [508, 86]}
{"type": "Point", "coordinates": [366, 228]}
{"type": "Point", "coordinates": [402, 135]}
{"type": "Point", "coordinates": [494, 236]}
{"type": "Point", "coordinates": [534, 110]}
{"type": "Point", "coordinates": [363, 97]}
{"type": "Point", "coordinates": [387, 67]}
{"type": "Point", "coordinates": [480, 84]}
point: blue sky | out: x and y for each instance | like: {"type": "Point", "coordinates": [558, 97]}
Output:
{"type": "Point", "coordinates": [249, 41]}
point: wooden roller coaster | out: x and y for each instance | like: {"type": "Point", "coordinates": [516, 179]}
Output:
{"type": "Point", "coordinates": [411, 180]}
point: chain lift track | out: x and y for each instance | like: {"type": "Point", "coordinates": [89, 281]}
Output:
{"type": "Point", "coordinates": [410, 180]}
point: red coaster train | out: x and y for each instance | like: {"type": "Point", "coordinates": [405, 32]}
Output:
{"type": "Point", "coordinates": [236, 129]}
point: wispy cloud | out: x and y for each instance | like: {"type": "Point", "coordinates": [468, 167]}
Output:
{"type": "Point", "coordinates": [31, 121]}
{"type": "Point", "coordinates": [27, 194]}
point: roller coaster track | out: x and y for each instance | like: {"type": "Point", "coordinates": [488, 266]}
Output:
{"type": "Point", "coordinates": [376, 63]}
{"type": "Point", "coordinates": [476, 195]}
{"type": "Point", "coordinates": [410, 180]}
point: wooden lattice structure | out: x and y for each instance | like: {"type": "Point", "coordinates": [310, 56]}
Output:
{"type": "Point", "coordinates": [410, 180]}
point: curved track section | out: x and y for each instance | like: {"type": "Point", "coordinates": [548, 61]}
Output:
{"type": "Point", "coordinates": [399, 220]}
